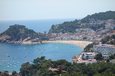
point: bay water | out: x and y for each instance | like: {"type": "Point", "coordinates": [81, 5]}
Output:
{"type": "Point", "coordinates": [13, 55]}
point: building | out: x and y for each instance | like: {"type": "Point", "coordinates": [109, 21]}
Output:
{"type": "Point", "coordinates": [105, 49]}
{"type": "Point", "coordinates": [85, 57]}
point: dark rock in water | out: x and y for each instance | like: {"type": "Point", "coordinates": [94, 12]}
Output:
{"type": "Point", "coordinates": [8, 56]}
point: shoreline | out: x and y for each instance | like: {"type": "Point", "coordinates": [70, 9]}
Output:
{"type": "Point", "coordinates": [81, 44]}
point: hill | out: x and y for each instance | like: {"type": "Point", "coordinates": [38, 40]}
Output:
{"type": "Point", "coordinates": [100, 16]}
{"type": "Point", "coordinates": [109, 40]}
{"type": "Point", "coordinates": [96, 22]}
{"type": "Point", "coordinates": [18, 34]}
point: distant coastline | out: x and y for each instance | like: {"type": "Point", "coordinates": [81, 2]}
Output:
{"type": "Point", "coordinates": [81, 44]}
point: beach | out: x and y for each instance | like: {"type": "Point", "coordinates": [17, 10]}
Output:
{"type": "Point", "coordinates": [81, 44]}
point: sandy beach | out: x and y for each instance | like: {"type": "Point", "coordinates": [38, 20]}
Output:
{"type": "Point", "coordinates": [81, 44]}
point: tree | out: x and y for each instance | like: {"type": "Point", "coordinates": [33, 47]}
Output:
{"type": "Point", "coordinates": [88, 48]}
{"type": "Point", "coordinates": [65, 68]}
{"type": "Point", "coordinates": [99, 57]}
{"type": "Point", "coordinates": [112, 57]}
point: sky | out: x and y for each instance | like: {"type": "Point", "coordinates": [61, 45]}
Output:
{"type": "Point", "coordinates": [52, 9]}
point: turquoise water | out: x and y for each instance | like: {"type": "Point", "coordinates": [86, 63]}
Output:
{"type": "Point", "coordinates": [13, 55]}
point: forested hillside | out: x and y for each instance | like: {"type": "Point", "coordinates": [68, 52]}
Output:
{"type": "Point", "coordinates": [97, 21]}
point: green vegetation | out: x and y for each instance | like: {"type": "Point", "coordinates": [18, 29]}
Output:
{"type": "Point", "coordinates": [89, 48]}
{"type": "Point", "coordinates": [99, 57]}
{"type": "Point", "coordinates": [19, 33]}
{"type": "Point", "coordinates": [109, 40]}
{"type": "Point", "coordinates": [112, 57]}
{"type": "Point", "coordinates": [65, 27]}
{"type": "Point", "coordinates": [90, 21]}
{"type": "Point", "coordinates": [40, 67]}
{"type": "Point", "coordinates": [100, 16]}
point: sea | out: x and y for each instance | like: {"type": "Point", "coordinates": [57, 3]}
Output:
{"type": "Point", "coordinates": [36, 25]}
{"type": "Point", "coordinates": [12, 56]}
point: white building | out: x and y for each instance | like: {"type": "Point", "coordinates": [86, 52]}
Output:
{"type": "Point", "coordinates": [85, 57]}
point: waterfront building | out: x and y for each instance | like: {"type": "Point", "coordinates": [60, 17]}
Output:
{"type": "Point", "coordinates": [85, 57]}
{"type": "Point", "coordinates": [105, 49]}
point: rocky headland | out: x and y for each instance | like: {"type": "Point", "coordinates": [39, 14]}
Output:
{"type": "Point", "coordinates": [20, 34]}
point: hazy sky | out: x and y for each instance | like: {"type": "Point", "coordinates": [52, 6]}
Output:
{"type": "Point", "coordinates": [52, 9]}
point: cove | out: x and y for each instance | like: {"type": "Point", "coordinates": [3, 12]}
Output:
{"type": "Point", "coordinates": [13, 55]}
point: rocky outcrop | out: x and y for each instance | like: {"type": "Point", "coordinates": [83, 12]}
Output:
{"type": "Point", "coordinates": [20, 34]}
